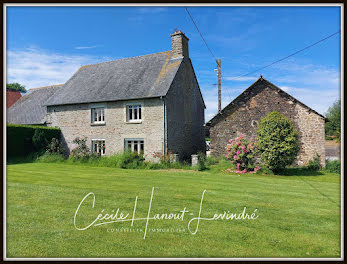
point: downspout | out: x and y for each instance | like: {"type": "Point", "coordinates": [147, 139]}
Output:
{"type": "Point", "coordinates": [164, 125]}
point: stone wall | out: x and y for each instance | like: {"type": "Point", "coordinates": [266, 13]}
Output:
{"type": "Point", "coordinates": [185, 114]}
{"type": "Point", "coordinates": [75, 121]}
{"type": "Point", "coordinates": [312, 135]}
{"type": "Point", "coordinates": [256, 103]}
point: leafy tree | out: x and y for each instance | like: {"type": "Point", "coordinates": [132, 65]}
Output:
{"type": "Point", "coordinates": [278, 141]}
{"type": "Point", "coordinates": [333, 124]}
{"type": "Point", "coordinates": [16, 86]}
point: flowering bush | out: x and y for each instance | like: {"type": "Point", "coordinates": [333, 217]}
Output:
{"type": "Point", "coordinates": [242, 153]}
{"type": "Point", "coordinates": [81, 151]}
{"type": "Point", "coordinates": [55, 147]}
{"type": "Point", "coordinates": [164, 158]}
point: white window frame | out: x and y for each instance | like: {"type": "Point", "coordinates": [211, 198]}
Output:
{"type": "Point", "coordinates": [130, 114]}
{"type": "Point", "coordinates": [134, 142]}
{"type": "Point", "coordinates": [100, 112]}
{"type": "Point", "coordinates": [102, 152]}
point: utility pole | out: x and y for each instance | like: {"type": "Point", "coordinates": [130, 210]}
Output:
{"type": "Point", "coordinates": [219, 87]}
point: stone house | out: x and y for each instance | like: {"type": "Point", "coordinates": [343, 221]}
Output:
{"type": "Point", "coordinates": [242, 115]}
{"type": "Point", "coordinates": [149, 103]}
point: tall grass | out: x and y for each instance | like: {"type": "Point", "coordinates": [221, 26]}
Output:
{"type": "Point", "coordinates": [126, 160]}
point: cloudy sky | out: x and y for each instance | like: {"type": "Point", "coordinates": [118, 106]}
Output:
{"type": "Point", "coordinates": [46, 45]}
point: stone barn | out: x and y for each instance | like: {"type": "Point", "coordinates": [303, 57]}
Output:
{"type": "Point", "coordinates": [243, 114]}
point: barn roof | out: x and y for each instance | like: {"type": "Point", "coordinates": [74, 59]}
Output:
{"type": "Point", "coordinates": [30, 109]}
{"type": "Point", "coordinates": [131, 78]}
{"type": "Point", "coordinates": [261, 81]}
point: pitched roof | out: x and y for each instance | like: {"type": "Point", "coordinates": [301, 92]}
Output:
{"type": "Point", "coordinates": [131, 78]}
{"type": "Point", "coordinates": [261, 81]}
{"type": "Point", "coordinates": [12, 96]}
{"type": "Point", "coordinates": [30, 109]}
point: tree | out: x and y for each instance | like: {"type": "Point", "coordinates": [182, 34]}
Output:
{"type": "Point", "coordinates": [333, 124]}
{"type": "Point", "coordinates": [16, 86]}
{"type": "Point", "coordinates": [278, 141]}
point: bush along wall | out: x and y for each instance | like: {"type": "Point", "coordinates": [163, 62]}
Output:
{"type": "Point", "coordinates": [23, 139]}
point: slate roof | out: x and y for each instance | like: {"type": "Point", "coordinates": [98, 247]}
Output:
{"type": "Point", "coordinates": [131, 78]}
{"type": "Point", "coordinates": [260, 82]}
{"type": "Point", "coordinates": [30, 109]}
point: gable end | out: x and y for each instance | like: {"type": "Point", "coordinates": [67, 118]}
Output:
{"type": "Point", "coordinates": [250, 92]}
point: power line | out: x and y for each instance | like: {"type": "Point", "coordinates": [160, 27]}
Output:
{"type": "Point", "coordinates": [287, 56]}
{"type": "Point", "coordinates": [201, 35]}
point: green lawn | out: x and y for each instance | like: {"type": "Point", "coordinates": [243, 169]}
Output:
{"type": "Point", "coordinates": [298, 216]}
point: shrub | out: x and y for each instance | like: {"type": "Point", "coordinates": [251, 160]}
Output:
{"type": "Point", "coordinates": [81, 152]}
{"type": "Point", "coordinates": [55, 147]}
{"type": "Point", "coordinates": [201, 162]}
{"type": "Point", "coordinates": [131, 160]}
{"type": "Point", "coordinates": [278, 141]}
{"type": "Point", "coordinates": [211, 160]}
{"type": "Point", "coordinates": [242, 153]}
{"type": "Point", "coordinates": [23, 140]}
{"type": "Point", "coordinates": [314, 164]}
{"type": "Point", "coordinates": [333, 166]}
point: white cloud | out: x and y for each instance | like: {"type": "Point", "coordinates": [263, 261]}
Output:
{"type": "Point", "coordinates": [34, 67]}
{"type": "Point", "coordinates": [308, 74]}
{"type": "Point", "coordinates": [316, 99]}
{"type": "Point", "coordinates": [317, 86]}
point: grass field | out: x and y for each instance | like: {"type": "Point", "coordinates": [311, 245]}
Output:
{"type": "Point", "coordinates": [298, 215]}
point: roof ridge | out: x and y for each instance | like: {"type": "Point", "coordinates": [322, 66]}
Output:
{"type": "Point", "coordinates": [94, 64]}
{"type": "Point", "coordinates": [261, 78]}
{"type": "Point", "coordinates": [48, 86]}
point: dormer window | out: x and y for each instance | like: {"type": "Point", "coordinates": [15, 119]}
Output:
{"type": "Point", "coordinates": [134, 113]}
{"type": "Point", "coordinates": [98, 115]}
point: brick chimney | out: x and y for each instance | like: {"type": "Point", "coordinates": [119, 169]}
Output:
{"type": "Point", "coordinates": [179, 43]}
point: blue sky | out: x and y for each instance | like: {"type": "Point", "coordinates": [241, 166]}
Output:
{"type": "Point", "coordinates": [46, 45]}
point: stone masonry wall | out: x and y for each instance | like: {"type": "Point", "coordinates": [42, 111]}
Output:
{"type": "Point", "coordinates": [179, 45]}
{"type": "Point", "coordinates": [185, 114]}
{"type": "Point", "coordinates": [312, 133]}
{"type": "Point", "coordinates": [75, 121]}
{"type": "Point", "coordinates": [256, 104]}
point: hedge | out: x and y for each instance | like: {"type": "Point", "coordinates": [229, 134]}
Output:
{"type": "Point", "coordinates": [20, 138]}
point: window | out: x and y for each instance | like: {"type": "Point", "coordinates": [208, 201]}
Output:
{"type": "Point", "coordinates": [134, 112]}
{"type": "Point", "coordinates": [98, 115]}
{"type": "Point", "coordinates": [254, 123]}
{"type": "Point", "coordinates": [98, 146]}
{"type": "Point", "coordinates": [135, 145]}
